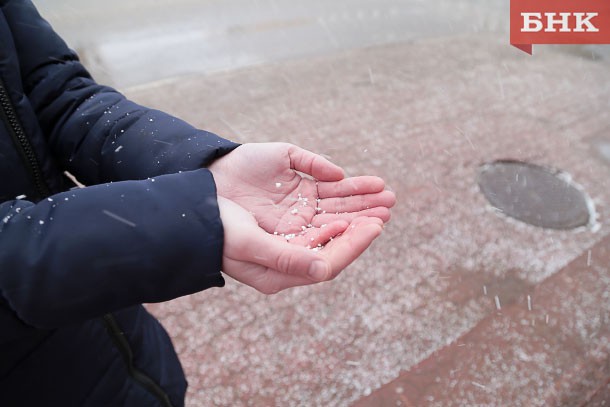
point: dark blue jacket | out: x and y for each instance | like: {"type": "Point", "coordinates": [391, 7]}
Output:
{"type": "Point", "coordinates": [75, 264]}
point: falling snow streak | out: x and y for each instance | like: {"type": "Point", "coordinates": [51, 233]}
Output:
{"type": "Point", "coordinates": [162, 142]}
{"type": "Point", "coordinates": [479, 385]}
{"type": "Point", "coordinates": [231, 127]}
{"type": "Point", "coordinates": [497, 301]}
{"type": "Point", "coordinates": [466, 137]}
{"type": "Point", "coordinates": [371, 78]}
{"type": "Point", "coordinates": [119, 218]}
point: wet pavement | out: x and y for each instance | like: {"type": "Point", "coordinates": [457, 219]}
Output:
{"type": "Point", "coordinates": [457, 303]}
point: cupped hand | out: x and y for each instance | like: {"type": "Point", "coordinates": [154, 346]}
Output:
{"type": "Point", "coordinates": [289, 189]}
{"type": "Point", "coordinates": [271, 263]}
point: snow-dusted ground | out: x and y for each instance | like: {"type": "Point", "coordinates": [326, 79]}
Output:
{"type": "Point", "coordinates": [424, 116]}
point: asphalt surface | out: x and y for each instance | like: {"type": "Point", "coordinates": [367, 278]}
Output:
{"type": "Point", "coordinates": [457, 303]}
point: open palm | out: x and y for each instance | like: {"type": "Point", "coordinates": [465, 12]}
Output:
{"type": "Point", "coordinates": [288, 189]}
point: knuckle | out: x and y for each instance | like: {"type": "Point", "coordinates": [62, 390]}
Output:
{"type": "Point", "coordinates": [362, 202]}
{"type": "Point", "coordinates": [341, 206]}
{"type": "Point", "coordinates": [285, 262]}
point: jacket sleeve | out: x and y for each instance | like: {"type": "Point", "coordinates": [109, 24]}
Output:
{"type": "Point", "coordinates": [93, 130]}
{"type": "Point", "coordinates": [86, 252]}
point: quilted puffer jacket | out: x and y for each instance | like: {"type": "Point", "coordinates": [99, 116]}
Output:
{"type": "Point", "coordinates": [76, 263]}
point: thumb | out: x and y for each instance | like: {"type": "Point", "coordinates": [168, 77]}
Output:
{"type": "Point", "coordinates": [277, 254]}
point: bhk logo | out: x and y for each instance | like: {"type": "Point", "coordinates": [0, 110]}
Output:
{"type": "Point", "coordinates": [559, 22]}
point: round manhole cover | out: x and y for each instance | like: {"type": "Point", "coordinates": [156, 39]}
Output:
{"type": "Point", "coordinates": [534, 194]}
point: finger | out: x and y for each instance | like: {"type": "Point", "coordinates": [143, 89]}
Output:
{"type": "Point", "coordinates": [328, 231]}
{"type": "Point", "coordinates": [357, 203]}
{"type": "Point", "coordinates": [350, 186]}
{"type": "Point", "coordinates": [346, 248]}
{"type": "Point", "coordinates": [339, 253]}
{"type": "Point", "coordinates": [315, 237]}
{"type": "Point", "coordinates": [380, 212]}
{"type": "Point", "coordinates": [274, 252]}
{"type": "Point", "coordinates": [313, 164]}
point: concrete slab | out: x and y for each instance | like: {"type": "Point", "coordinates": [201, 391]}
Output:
{"type": "Point", "coordinates": [424, 116]}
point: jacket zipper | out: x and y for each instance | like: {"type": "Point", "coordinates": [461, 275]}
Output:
{"type": "Point", "coordinates": [21, 141]}
{"type": "Point", "coordinates": [122, 345]}
{"type": "Point", "coordinates": [26, 150]}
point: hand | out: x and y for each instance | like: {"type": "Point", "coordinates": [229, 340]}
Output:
{"type": "Point", "coordinates": [271, 263]}
{"type": "Point", "coordinates": [274, 182]}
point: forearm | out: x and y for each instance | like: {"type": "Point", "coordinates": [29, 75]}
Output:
{"type": "Point", "coordinates": [87, 252]}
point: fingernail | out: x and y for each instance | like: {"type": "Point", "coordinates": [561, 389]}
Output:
{"type": "Point", "coordinates": [318, 270]}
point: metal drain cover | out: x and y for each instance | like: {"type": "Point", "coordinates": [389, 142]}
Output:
{"type": "Point", "coordinates": [534, 195]}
